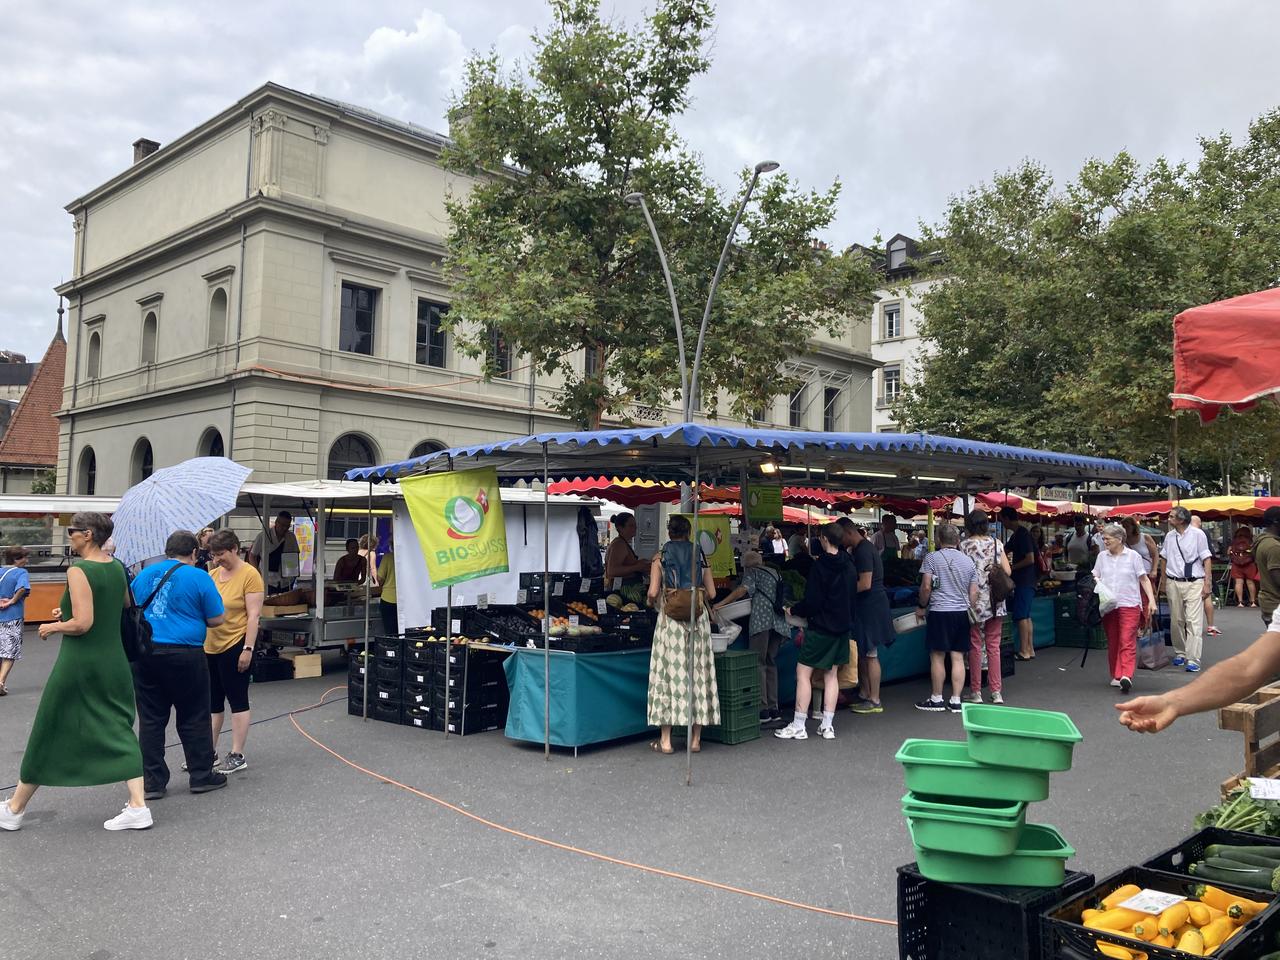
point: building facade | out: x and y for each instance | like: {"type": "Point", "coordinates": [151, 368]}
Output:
{"type": "Point", "coordinates": [29, 444]}
{"type": "Point", "coordinates": [896, 344]}
{"type": "Point", "coordinates": [270, 287]}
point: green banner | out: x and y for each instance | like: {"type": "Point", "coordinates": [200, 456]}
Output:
{"type": "Point", "coordinates": [458, 519]}
{"type": "Point", "coordinates": [764, 502]}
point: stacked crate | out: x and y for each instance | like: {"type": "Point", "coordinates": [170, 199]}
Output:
{"type": "Point", "coordinates": [382, 675]}
{"type": "Point", "coordinates": [738, 682]}
{"type": "Point", "coordinates": [472, 696]}
{"type": "Point", "coordinates": [1070, 632]}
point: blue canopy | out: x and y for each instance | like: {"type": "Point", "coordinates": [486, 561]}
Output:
{"type": "Point", "coordinates": [901, 463]}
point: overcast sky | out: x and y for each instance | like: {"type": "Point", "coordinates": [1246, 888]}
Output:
{"type": "Point", "coordinates": [907, 103]}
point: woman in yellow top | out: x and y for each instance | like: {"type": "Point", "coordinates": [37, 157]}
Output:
{"type": "Point", "coordinates": [229, 646]}
{"type": "Point", "coordinates": [387, 599]}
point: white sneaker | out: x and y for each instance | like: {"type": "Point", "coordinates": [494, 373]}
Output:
{"type": "Point", "coordinates": [827, 733]}
{"type": "Point", "coordinates": [971, 697]}
{"type": "Point", "coordinates": [997, 698]}
{"type": "Point", "coordinates": [8, 819]}
{"type": "Point", "coordinates": [130, 818]}
{"type": "Point", "coordinates": [792, 731]}
{"type": "Point", "coordinates": [1115, 682]}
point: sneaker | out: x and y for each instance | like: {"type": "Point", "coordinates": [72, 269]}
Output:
{"type": "Point", "coordinates": [997, 698]}
{"type": "Point", "coordinates": [154, 793]}
{"type": "Point", "coordinates": [216, 781]}
{"type": "Point", "coordinates": [1193, 667]}
{"type": "Point", "coordinates": [215, 763]}
{"type": "Point", "coordinates": [1115, 681]}
{"type": "Point", "coordinates": [1179, 661]}
{"type": "Point", "coordinates": [792, 731]}
{"type": "Point", "coordinates": [867, 706]}
{"type": "Point", "coordinates": [1125, 684]}
{"type": "Point", "coordinates": [1214, 631]}
{"type": "Point", "coordinates": [827, 733]}
{"type": "Point", "coordinates": [954, 705]}
{"type": "Point", "coordinates": [972, 697]}
{"type": "Point", "coordinates": [234, 763]}
{"type": "Point", "coordinates": [931, 705]}
{"type": "Point", "coordinates": [8, 819]}
{"type": "Point", "coordinates": [130, 818]}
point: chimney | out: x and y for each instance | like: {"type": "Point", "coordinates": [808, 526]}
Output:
{"type": "Point", "coordinates": [143, 148]}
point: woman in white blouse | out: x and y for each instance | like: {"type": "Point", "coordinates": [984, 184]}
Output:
{"type": "Point", "coordinates": [1124, 575]}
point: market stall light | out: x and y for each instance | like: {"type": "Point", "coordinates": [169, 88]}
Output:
{"type": "Point", "coordinates": [769, 468]}
{"type": "Point", "coordinates": [866, 473]}
{"type": "Point", "coordinates": [937, 479]}
{"type": "Point", "coordinates": [791, 469]}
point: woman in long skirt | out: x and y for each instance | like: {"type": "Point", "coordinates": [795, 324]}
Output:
{"type": "Point", "coordinates": [673, 568]}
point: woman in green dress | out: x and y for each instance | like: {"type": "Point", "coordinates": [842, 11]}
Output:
{"type": "Point", "coordinates": [83, 731]}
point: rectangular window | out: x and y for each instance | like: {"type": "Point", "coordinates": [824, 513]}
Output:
{"type": "Point", "coordinates": [499, 354]}
{"type": "Point", "coordinates": [430, 350]}
{"type": "Point", "coordinates": [359, 308]}
{"type": "Point", "coordinates": [892, 384]}
{"type": "Point", "coordinates": [795, 408]}
{"type": "Point", "coordinates": [591, 361]}
{"type": "Point", "coordinates": [891, 328]}
{"type": "Point", "coordinates": [830, 409]}
{"type": "Point", "coordinates": [758, 415]}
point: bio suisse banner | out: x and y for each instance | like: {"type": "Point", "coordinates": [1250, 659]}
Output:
{"type": "Point", "coordinates": [458, 519]}
{"type": "Point", "coordinates": [714, 541]}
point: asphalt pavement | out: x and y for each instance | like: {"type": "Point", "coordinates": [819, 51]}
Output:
{"type": "Point", "coordinates": [303, 856]}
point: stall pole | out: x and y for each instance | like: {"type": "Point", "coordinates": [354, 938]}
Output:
{"type": "Point", "coordinates": [368, 579]}
{"type": "Point", "coordinates": [318, 567]}
{"type": "Point", "coordinates": [546, 610]}
{"type": "Point", "coordinates": [928, 529]}
{"type": "Point", "coordinates": [448, 644]}
{"type": "Point", "coordinates": [694, 617]}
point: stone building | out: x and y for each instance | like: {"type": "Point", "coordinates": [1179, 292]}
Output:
{"type": "Point", "coordinates": [29, 446]}
{"type": "Point", "coordinates": [269, 286]}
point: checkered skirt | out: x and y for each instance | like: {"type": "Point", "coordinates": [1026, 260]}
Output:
{"type": "Point", "coordinates": [669, 674]}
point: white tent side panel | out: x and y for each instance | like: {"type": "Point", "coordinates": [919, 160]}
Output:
{"type": "Point", "coordinates": [416, 598]}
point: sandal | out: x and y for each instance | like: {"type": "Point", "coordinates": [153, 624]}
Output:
{"type": "Point", "coordinates": [695, 748]}
{"type": "Point", "coordinates": [1018, 656]}
{"type": "Point", "coordinates": [656, 747]}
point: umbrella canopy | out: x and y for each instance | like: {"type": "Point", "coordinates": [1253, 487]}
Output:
{"type": "Point", "coordinates": [1070, 508]}
{"type": "Point", "coordinates": [1209, 508]}
{"type": "Point", "coordinates": [182, 497]}
{"type": "Point", "coordinates": [789, 514]}
{"type": "Point", "coordinates": [1025, 506]}
{"type": "Point", "coordinates": [903, 507]}
{"type": "Point", "coordinates": [1227, 354]}
{"type": "Point", "coordinates": [634, 493]}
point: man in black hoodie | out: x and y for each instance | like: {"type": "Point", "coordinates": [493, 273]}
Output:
{"type": "Point", "coordinates": [1266, 554]}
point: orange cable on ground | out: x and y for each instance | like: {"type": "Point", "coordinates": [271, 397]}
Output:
{"type": "Point", "coordinates": [567, 848]}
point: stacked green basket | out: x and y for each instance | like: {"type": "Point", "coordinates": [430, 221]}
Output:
{"type": "Point", "coordinates": [738, 681]}
{"type": "Point", "coordinates": [966, 803]}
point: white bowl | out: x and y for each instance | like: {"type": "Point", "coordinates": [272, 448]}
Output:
{"type": "Point", "coordinates": [735, 610]}
{"type": "Point", "coordinates": [906, 623]}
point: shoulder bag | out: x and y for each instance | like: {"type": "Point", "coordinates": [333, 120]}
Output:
{"type": "Point", "coordinates": [999, 582]}
{"type": "Point", "coordinates": [680, 603]}
{"type": "Point", "coordinates": [135, 629]}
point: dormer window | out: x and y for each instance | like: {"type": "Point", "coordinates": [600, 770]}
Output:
{"type": "Point", "coordinates": [897, 254]}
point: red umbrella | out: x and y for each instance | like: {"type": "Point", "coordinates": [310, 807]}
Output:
{"type": "Point", "coordinates": [1227, 354]}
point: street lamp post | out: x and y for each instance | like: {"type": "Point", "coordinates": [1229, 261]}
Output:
{"type": "Point", "coordinates": [637, 200]}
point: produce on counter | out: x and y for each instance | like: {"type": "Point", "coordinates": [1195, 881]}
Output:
{"type": "Point", "coordinates": [1256, 867]}
{"type": "Point", "coordinates": [1241, 812]}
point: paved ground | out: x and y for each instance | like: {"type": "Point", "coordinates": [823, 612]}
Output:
{"type": "Point", "coordinates": [304, 857]}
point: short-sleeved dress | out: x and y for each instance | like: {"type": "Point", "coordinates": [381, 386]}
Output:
{"type": "Point", "coordinates": [83, 731]}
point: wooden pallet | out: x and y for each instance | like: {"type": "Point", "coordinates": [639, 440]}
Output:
{"type": "Point", "coordinates": [1258, 718]}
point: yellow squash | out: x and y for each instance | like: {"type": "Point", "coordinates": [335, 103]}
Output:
{"type": "Point", "coordinates": [1120, 895]}
{"type": "Point", "coordinates": [1174, 917]}
{"type": "Point", "coordinates": [1191, 942]}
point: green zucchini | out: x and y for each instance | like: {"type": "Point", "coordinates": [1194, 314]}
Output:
{"type": "Point", "coordinates": [1260, 879]}
{"type": "Point", "coordinates": [1229, 850]}
{"type": "Point", "coordinates": [1241, 856]}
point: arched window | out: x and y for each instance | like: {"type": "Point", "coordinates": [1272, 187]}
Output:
{"type": "Point", "coordinates": [425, 447]}
{"type": "Point", "coordinates": [93, 361]}
{"type": "Point", "coordinates": [218, 317]}
{"type": "Point", "coordinates": [149, 339]}
{"type": "Point", "coordinates": [142, 463]}
{"type": "Point", "coordinates": [87, 471]}
{"type": "Point", "coordinates": [348, 452]}
{"type": "Point", "coordinates": [211, 444]}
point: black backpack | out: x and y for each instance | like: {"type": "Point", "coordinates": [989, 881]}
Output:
{"type": "Point", "coordinates": [781, 594]}
{"type": "Point", "coordinates": [135, 628]}
{"type": "Point", "coordinates": [1088, 610]}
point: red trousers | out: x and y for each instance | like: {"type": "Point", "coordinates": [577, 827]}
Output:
{"type": "Point", "coordinates": [985, 634]}
{"type": "Point", "coordinates": [1121, 628]}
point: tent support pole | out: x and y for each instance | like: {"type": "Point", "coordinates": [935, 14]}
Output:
{"type": "Point", "coordinates": [448, 646]}
{"type": "Point", "coordinates": [546, 611]}
{"type": "Point", "coordinates": [368, 579]}
{"type": "Point", "coordinates": [694, 616]}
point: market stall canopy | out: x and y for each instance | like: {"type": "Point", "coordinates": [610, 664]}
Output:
{"type": "Point", "coordinates": [903, 507]}
{"type": "Point", "coordinates": [906, 464]}
{"type": "Point", "coordinates": [1025, 506]}
{"type": "Point", "coordinates": [1208, 508]}
{"type": "Point", "coordinates": [789, 514]}
{"type": "Point", "coordinates": [1070, 508]}
{"type": "Point", "coordinates": [1227, 354]}
{"type": "Point", "coordinates": [635, 493]}
{"type": "Point", "coordinates": [34, 506]}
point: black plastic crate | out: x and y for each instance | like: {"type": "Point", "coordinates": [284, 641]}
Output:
{"type": "Point", "coordinates": [943, 921]}
{"type": "Point", "coordinates": [356, 667]}
{"type": "Point", "coordinates": [414, 694]}
{"type": "Point", "coordinates": [386, 712]}
{"type": "Point", "coordinates": [471, 720]}
{"type": "Point", "coordinates": [386, 693]}
{"type": "Point", "coordinates": [388, 671]}
{"type": "Point", "coordinates": [419, 717]}
{"type": "Point", "coordinates": [473, 687]}
{"type": "Point", "coordinates": [388, 648]}
{"type": "Point", "coordinates": [1064, 938]}
{"type": "Point", "coordinates": [268, 669]}
{"type": "Point", "coordinates": [419, 673]}
{"type": "Point", "coordinates": [421, 652]}
{"type": "Point", "coordinates": [487, 697]}
{"type": "Point", "coordinates": [1177, 858]}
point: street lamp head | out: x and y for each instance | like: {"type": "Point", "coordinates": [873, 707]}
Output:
{"type": "Point", "coordinates": [635, 199]}
{"type": "Point", "coordinates": [767, 166]}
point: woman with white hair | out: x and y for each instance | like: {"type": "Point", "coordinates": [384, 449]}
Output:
{"type": "Point", "coordinates": [1124, 574]}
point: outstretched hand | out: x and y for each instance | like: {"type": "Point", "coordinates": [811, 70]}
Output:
{"type": "Point", "coordinates": [1147, 714]}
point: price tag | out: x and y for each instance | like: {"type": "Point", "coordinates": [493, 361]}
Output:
{"type": "Point", "coordinates": [455, 626]}
{"type": "Point", "coordinates": [522, 597]}
{"type": "Point", "coordinates": [601, 607]}
{"type": "Point", "coordinates": [586, 585]}
{"type": "Point", "coordinates": [617, 583]}
{"type": "Point", "coordinates": [482, 601]}
{"type": "Point", "coordinates": [1153, 902]}
{"type": "Point", "coordinates": [558, 589]}
{"type": "Point", "coordinates": [573, 619]}
{"type": "Point", "coordinates": [1262, 789]}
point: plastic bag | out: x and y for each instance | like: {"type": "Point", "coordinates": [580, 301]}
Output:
{"type": "Point", "coordinates": [1106, 599]}
{"type": "Point", "coordinates": [1152, 652]}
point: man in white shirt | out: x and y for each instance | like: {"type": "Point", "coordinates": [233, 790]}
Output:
{"type": "Point", "coordinates": [1078, 544]}
{"type": "Point", "coordinates": [278, 547]}
{"type": "Point", "coordinates": [1225, 683]}
{"type": "Point", "coordinates": [1188, 580]}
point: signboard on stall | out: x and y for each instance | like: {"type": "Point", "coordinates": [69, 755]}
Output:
{"type": "Point", "coordinates": [712, 537]}
{"type": "Point", "coordinates": [764, 502]}
{"type": "Point", "coordinates": [458, 519]}
{"type": "Point", "coordinates": [305, 531]}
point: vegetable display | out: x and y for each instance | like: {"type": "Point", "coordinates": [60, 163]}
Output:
{"type": "Point", "coordinates": [1245, 866]}
{"type": "Point", "coordinates": [1242, 812]}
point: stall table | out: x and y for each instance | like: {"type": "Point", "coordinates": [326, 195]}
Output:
{"type": "Point", "coordinates": [342, 624]}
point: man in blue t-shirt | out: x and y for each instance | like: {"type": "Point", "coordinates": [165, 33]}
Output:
{"type": "Point", "coordinates": [15, 584]}
{"type": "Point", "coordinates": [1022, 555]}
{"type": "Point", "coordinates": [183, 603]}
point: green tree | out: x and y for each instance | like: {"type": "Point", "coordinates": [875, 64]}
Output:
{"type": "Point", "coordinates": [45, 482]}
{"type": "Point", "coordinates": [1052, 317]}
{"type": "Point", "coordinates": [545, 251]}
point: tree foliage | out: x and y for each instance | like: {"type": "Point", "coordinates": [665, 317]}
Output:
{"type": "Point", "coordinates": [1052, 322]}
{"type": "Point", "coordinates": [547, 252]}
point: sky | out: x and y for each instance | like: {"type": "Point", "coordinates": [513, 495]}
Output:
{"type": "Point", "coordinates": [907, 104]}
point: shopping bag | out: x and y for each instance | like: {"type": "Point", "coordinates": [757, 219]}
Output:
{"type": "Point", "coordinates": [1106, 599]}
{"type": "Point", "coordinates": [1152, 652]}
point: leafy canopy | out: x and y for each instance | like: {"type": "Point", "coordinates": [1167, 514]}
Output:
{"type": "Point", "coordinates": [1052, 321]}
{"type": "Point", "coordinates": [546, 252]}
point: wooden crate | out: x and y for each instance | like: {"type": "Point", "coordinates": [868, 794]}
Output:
{"type": "Point", "coordinates": [284, 611]}
{"type": "Point", "coordinates": [304, 664]}
{"type": "Point", "coordinates": [1258, 718]}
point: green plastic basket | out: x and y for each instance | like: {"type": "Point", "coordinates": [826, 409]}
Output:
{"type": "Point", "coordinates": [731, 729]}
{"type": "Point", "coordinates": [1017, 737]}
{"type": "Point", "coordinates": [984, 828]}
{"type": "Point", "coordinates": [944, 768]}
{"type": "Point", "coordinates": [737, 672]}
{"type": "Point", "coordinates": [1039, 861]}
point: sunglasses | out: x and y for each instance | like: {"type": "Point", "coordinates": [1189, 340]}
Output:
{"type": "Point", "coordinates": [71, 530]}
